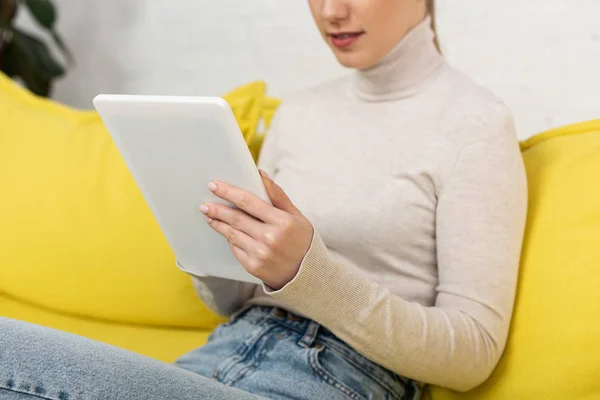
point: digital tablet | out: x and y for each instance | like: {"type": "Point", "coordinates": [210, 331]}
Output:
{"type": "Point", "coordinates": [173, 146]}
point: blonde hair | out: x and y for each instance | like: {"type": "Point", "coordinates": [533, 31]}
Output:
{"type": "Point", "coordinates": [431, 11]}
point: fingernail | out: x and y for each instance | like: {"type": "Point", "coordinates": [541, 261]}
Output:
{"type": "Point", "coordinates": [203, 209]}
{"type": "Point", "coordinates": [264, 174]}
{"type": "Point", "coordinates": [207, 219]}
{"type": "Point", "coordinates": [212, 186]}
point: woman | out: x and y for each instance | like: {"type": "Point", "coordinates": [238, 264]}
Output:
{"type": "Point", "coordinates": [394, 266]}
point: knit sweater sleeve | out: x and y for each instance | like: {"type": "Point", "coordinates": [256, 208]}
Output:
{"type": "Point", "coordinates": [479, 228]}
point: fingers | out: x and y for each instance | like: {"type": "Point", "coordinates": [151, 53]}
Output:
{"type": "Point", "coordinates": [278, 197]}
{"type": "Point", "coordinates": [248, 202]}
{"type": "Point", "coordinates": [248, 252]}
{"type": "Point", "coordinates": [238, 219]}
{"type": "Point", "coordinates": [239, 254]}
{"type": "Point", "coordinates": [234, 237]}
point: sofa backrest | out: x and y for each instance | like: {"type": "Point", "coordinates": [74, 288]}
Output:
{"type": "Point", "coordinates": [76, 236]}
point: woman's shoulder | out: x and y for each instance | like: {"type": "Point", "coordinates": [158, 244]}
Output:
{"type": "Point", "coordinates": [472, 110]}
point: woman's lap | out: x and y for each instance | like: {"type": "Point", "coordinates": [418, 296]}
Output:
{"type": "Point", "coordinates": [278, 355]}
{"type": "Point", "coordinates": [264, 351]}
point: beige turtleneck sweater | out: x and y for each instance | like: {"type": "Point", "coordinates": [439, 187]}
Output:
{"type": "Point", "coordinates": [412, 177]}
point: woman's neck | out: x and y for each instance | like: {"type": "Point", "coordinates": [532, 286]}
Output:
{"type": "Point", "coordinates": [414, 59]}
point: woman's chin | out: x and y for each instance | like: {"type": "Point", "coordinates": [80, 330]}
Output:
{"type": "Point", "coordinates": [353, 59]}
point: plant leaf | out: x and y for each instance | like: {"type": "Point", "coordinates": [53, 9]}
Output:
{"type": "Point", "coordinates": [8, 63]}
{"type": "Point", "coordinates": [20, 67]}
{"type": "Point", "coordinates": [35, 82]}
{"type": "Point", "coordinates": [36, 55]}
{"type": "Point", "coordinates": [43, 11]}
{"type": "Point", "coordinates": [63, 47]}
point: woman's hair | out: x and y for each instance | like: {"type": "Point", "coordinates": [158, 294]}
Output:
{"type": "Point", "coordinates": [431, 11]}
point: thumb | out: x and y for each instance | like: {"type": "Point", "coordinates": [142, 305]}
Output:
{"type": "Point", "coordinates": [278, 197]}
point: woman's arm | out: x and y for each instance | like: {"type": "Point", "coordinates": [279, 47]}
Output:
{"type": "Point", "coordinates": [222, 296]}
{"type": "Point", "coordinates": [480, 223]}
{"type": "Point", "coordinates": [479, 229]}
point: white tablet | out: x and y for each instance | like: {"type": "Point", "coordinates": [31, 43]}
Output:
{"type": "Point", "coordinates": [173, 146]}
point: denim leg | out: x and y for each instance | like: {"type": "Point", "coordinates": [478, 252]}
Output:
{"type": "Point", "coordinates": [278, 355]}
{"type": "Point", "coordinates": [38, 362]}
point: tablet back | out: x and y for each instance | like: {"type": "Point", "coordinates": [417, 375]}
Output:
{"type": "Point", "coordinates": [173, 146]}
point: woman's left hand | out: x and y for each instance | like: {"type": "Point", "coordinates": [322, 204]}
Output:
{"type": "Point", "coordinates": [270, 241]}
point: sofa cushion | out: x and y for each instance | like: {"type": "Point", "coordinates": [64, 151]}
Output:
{"type": "Point", "coordinates": [553, 350]}
{"type": "Point", "coordinates": [76, 235]}
{"type": "Point", "coordinates": [160, 342]}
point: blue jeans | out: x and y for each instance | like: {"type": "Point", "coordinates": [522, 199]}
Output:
{"type": "Point", "coordinates": [261, 352]}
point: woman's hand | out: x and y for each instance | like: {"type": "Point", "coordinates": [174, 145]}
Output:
{"type": "Point", "coordinates": [269, 241]}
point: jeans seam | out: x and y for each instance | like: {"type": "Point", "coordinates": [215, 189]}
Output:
{"type": "Point", "coordinates": [283, 324]}
{"type": "Point", "coordinates": [328, 378]}
{"type": "Point", "coordinates": [235, 356]}
{"type": "Point", "coordinates": [333, 346]}
{"type": "Point", "coordinates": [39, 396]}
{"type": "Point", "coordinates": [253, 362]}
{"type": "Point", "coordinates": [238, 355]}
{"type": "Point", "coordinates": [233, 318]}
{"type": "Point", "coordinates": [356, 364]}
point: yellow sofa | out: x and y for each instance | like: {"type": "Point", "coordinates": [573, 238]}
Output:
{"type": "Point", "coordinates": [80, 251]}
{"type": "Point", "coordinates": [79, 248]}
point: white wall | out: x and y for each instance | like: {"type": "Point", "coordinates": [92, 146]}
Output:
{"type": "Point", "coordinates": [541, 56]}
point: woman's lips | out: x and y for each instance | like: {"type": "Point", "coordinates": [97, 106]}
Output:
{"type": "Point", "coordinates": [342, 40]}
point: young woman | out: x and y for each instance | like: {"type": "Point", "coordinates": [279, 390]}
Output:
{"type": "Point", "coordinates": [389, 261]}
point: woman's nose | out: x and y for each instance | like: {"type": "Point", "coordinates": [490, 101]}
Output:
{"type": "Point", "coordinates": [335, 10]}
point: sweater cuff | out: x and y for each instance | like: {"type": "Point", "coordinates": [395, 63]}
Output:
{"type": "Point", "coordinates": [310, 287]}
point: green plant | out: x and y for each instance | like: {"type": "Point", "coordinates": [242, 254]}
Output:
{"type": "Point", "coordinates": [26, 57]}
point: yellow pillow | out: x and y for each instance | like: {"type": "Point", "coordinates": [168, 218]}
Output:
{"type": "Point", "coordinates": [76, 235]}
{"type": "Point", "coordinates": [553, 350]}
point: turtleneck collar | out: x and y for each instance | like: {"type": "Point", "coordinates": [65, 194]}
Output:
{"type": "Point", "coordinates": [409, 63]}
